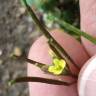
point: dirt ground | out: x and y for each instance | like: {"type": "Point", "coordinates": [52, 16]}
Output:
{"type": "Point", "coordinates": [16, 31]}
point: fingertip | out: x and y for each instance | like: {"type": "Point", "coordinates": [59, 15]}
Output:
{"type": "Point", "coordinates": [87, 78]}
{"type": "Point", "coordinates": [88, 23]}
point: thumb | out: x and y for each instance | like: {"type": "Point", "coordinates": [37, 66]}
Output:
{"type": "Point", "coordinates": [88, 23]}
{"type": "Point", "coordinates": [87, 78]}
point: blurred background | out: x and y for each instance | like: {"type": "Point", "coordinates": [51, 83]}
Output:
{"type": "Point", "coordinates": [18, 32]}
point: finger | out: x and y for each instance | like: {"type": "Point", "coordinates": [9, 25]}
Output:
{"type": "Point", "coordinates": [39, 52]}
{"type": "Point", "coordinates": [88, 22]}
{"type": "Point", "coordinates": [87, 78]}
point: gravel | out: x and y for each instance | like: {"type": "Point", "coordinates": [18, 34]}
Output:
{"type": "Point", "coordinates": [16, 30]}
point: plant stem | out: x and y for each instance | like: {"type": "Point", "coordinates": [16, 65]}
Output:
{"type": "Point", "coordinates": [40, 25]}
{"type": "Point", "coordinates": [70, 73]}
{"type": "Point", "coordinates": [55, 50]}
{"type": "Point", "coordinates": [64, 56]}
{"type": "Point", "coordinates": [67, 72]}
{"type": "Point", "coordinates": [76, 31]}
{"type": "Point", "coordinates": [38, 64]}
{"type": "Point", "coordinates": [39, 79]}
{"type": "Point", "coordinates": [46, 33]}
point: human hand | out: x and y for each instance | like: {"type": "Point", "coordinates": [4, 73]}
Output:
{"type": "Point", "coordinates": [39, 52]}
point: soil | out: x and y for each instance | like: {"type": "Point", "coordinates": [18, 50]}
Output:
{"type": "Point", "coordinates": [16, 31]}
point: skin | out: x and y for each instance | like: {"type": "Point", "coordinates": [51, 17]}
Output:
{"type": "Point", "coordinates": [88, 23]}
{"type": "Point", "coordinates": [78, 52]}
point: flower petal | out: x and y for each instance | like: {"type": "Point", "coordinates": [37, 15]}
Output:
{"type": "Point", "coordinates": [62, 63]}
{"type": "Point", "coordinates": [56, 62]}
{"type": "Point", "coordinates": [51, 69]}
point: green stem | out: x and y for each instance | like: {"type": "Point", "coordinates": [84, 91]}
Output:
{"type": "Point", "coordinates": [76, 31]}
{"type": "Point", "coordinates": [45, 32]}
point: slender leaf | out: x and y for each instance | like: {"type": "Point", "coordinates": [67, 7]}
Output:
{"type": "Point", "coordinates": [39, 79]}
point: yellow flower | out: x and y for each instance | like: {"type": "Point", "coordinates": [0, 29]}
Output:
{"type": "Point", "coordinates": [58, 67]}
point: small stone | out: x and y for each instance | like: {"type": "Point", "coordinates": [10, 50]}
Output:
{"type": "Point", "coordinates": [17, 51]}
{"type": "Point", "coordinates": [22, 10]}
